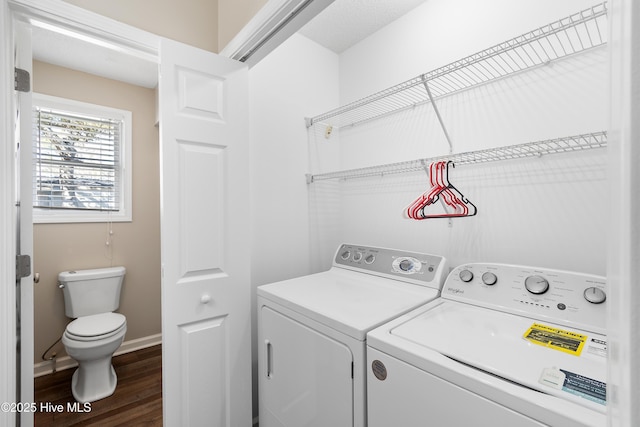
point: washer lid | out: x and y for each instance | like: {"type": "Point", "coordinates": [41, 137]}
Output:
{"type": "Point", "coordinates": [96, 325]}
{"type": "Point", "coordinates": [557, 360]}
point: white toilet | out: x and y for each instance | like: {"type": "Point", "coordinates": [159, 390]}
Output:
{"type": "Point", "coordinates": [90, 297]}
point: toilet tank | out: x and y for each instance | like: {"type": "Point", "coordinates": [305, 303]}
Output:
{"type": "Point", "coordinates": [94, 291]}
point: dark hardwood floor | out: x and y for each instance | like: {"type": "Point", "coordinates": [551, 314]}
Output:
{"type": "Point", "coordinates": [137, 400]}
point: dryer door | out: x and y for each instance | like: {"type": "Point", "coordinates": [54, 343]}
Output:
{"type": "Point", "coordinates": [305, 376]}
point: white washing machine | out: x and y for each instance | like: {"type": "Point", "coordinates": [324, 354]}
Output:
{"type": "Point", "coordinates": [504, 346]}
{"type": "Point", "coordinates": [312, 330]}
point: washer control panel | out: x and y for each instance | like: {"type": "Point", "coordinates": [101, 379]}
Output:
{"type": "Point", "coordinates": [419, 268]}
{"type": "Point", "coordinates": [569, 298]}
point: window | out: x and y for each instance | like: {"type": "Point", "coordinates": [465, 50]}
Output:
{"type": "Point", "coordinates": [81, 162]}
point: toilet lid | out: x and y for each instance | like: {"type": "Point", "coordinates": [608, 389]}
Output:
{"type": "Point", "coordinates": [95, 325]}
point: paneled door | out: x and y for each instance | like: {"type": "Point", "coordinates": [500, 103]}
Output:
{"type": "Point", "coordinates": [204, 148]}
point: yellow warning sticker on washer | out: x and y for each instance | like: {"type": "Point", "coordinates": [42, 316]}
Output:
{"type": "Point", "coordinates": [557, 339]}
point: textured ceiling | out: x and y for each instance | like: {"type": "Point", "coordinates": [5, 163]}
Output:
{"type": "Point", "coordinates": [346, 22]}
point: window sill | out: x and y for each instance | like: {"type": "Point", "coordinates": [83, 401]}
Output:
{"type": "Point", "coordinates": [58, 217]}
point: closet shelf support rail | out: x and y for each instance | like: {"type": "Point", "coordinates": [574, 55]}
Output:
{"type": "Point", "coordinates": [530, 149]}
{"type": "Point", "coordinates": [579, 32]}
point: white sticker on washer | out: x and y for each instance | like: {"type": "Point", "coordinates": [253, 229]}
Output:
{"type": "Point", "coordinates": [552, 377]}
{"type": "Point", "coordinates": [597, 347]}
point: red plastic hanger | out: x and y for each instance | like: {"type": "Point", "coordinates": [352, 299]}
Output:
{"type": "Point", "coordinates": [455, 204]}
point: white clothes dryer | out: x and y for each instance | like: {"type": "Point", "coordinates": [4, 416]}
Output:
{"type": "Point", "coordinates": [312, 330]}
{"type": "Point", "coordinates": [504, 346]}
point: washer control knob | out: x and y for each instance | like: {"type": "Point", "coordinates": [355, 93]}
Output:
{"type": "Point", "coordinates": [370, 258]}
{"type": "Point", "coordinates": [345, 255]}
{"type": "Point", "coordinates": [466, 276]}
{"type": "Point", "coordinates": [489, 278]}
{"type": "Point", "coordinates": [536, 284]}
{"type": "Point", "coordinates": [595, 295]}
{"type": "Point", "coordinates": [357, 256]}
{"type": "Point", "coordinates": [406, 265]}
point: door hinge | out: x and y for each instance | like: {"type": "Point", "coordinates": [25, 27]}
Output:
{"type": "Point", "coordinates": [22, 80]}
{"type": "Point", "coordinates": [23, 266]}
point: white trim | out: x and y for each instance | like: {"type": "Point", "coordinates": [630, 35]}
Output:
{"type": "Point", "coordinates": [273, 24]}
{"type": "Point", "coordinates": [89, 26]}
{"type": "Point", "coordinates": [7, 220]}
{"type": "Point", "coordinates": [623, 268]}
{"type": "Point", "coordinates": [23, 57]}
{"type": "Point", "coordinates": [66, 362]}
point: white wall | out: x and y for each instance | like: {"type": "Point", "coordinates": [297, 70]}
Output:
{"type": "Point", "coordinates": [549, 212]}
{"type": "Point", "coordinates": [296, 80]}
{"type": "Point", "coordinates": [440, 32]}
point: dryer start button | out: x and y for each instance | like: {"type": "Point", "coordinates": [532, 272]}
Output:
{"type": "Point", "coordinates": [406, 265]}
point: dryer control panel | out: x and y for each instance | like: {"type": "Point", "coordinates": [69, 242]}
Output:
{"type": "Point", "coordinates": [414, 267]}
{"type": "Point", "coordinates": [563, 297]}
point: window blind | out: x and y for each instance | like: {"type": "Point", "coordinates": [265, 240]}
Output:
{"type": "Point", "coordinates": [76, 161]}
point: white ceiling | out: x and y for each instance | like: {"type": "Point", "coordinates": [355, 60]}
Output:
{"type": "Point", "coordinates": [341, 25]}
{"type": "Point", "coordinates": [346, 22]}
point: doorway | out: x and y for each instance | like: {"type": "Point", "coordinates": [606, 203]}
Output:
{"type": "Point", "coordinates": [75, 66]}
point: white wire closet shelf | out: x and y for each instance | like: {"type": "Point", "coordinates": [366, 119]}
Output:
{"type": "Point", "coordinates": [531, 149]}
{"type": "Point", "coordinates": [579, 32]}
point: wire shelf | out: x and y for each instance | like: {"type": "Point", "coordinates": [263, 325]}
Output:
{"type": "Point", "coordinates": [531, 149]}
{"type": "Point", "coordinates": [579, 32]}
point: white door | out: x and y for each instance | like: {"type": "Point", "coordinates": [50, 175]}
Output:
{"type": "Point", "coordinates": [204, 148]}
{"type": "Point", "coordinates": [25, 227]}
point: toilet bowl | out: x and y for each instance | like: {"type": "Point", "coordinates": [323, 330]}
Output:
{"type": "Point", "coordinates": [91, 341]}
{"type": "Point", "coordinates": [90, 297]}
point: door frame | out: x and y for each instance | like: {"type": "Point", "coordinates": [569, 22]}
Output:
{"type": "Point", "coordinates": [623, 249]}
{"type": "Point", "coordinates": [8, 225]}
{"type": "Point", "coordinates": [67, 18]}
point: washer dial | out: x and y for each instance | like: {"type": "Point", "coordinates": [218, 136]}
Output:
{"type": "Point", "coordinates": [466, 276]}
{"type": "Point", "coordinates": [536, 284]}
{"type": "Point", "coordinates": [595, 295]}
{"type": "Point", "coordinates": [489, 278]}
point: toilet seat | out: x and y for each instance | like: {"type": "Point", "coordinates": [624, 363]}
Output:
{"type": "Point", "coordinates": [95, 327]}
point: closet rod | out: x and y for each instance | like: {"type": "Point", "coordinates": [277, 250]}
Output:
{"type": "Point", "coordinates": [530, 149]}
{"type": "Point", "coordinates": [579, 32]}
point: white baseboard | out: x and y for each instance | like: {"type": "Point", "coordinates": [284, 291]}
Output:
{"type": "Point", "coordinates": [66, 362]}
